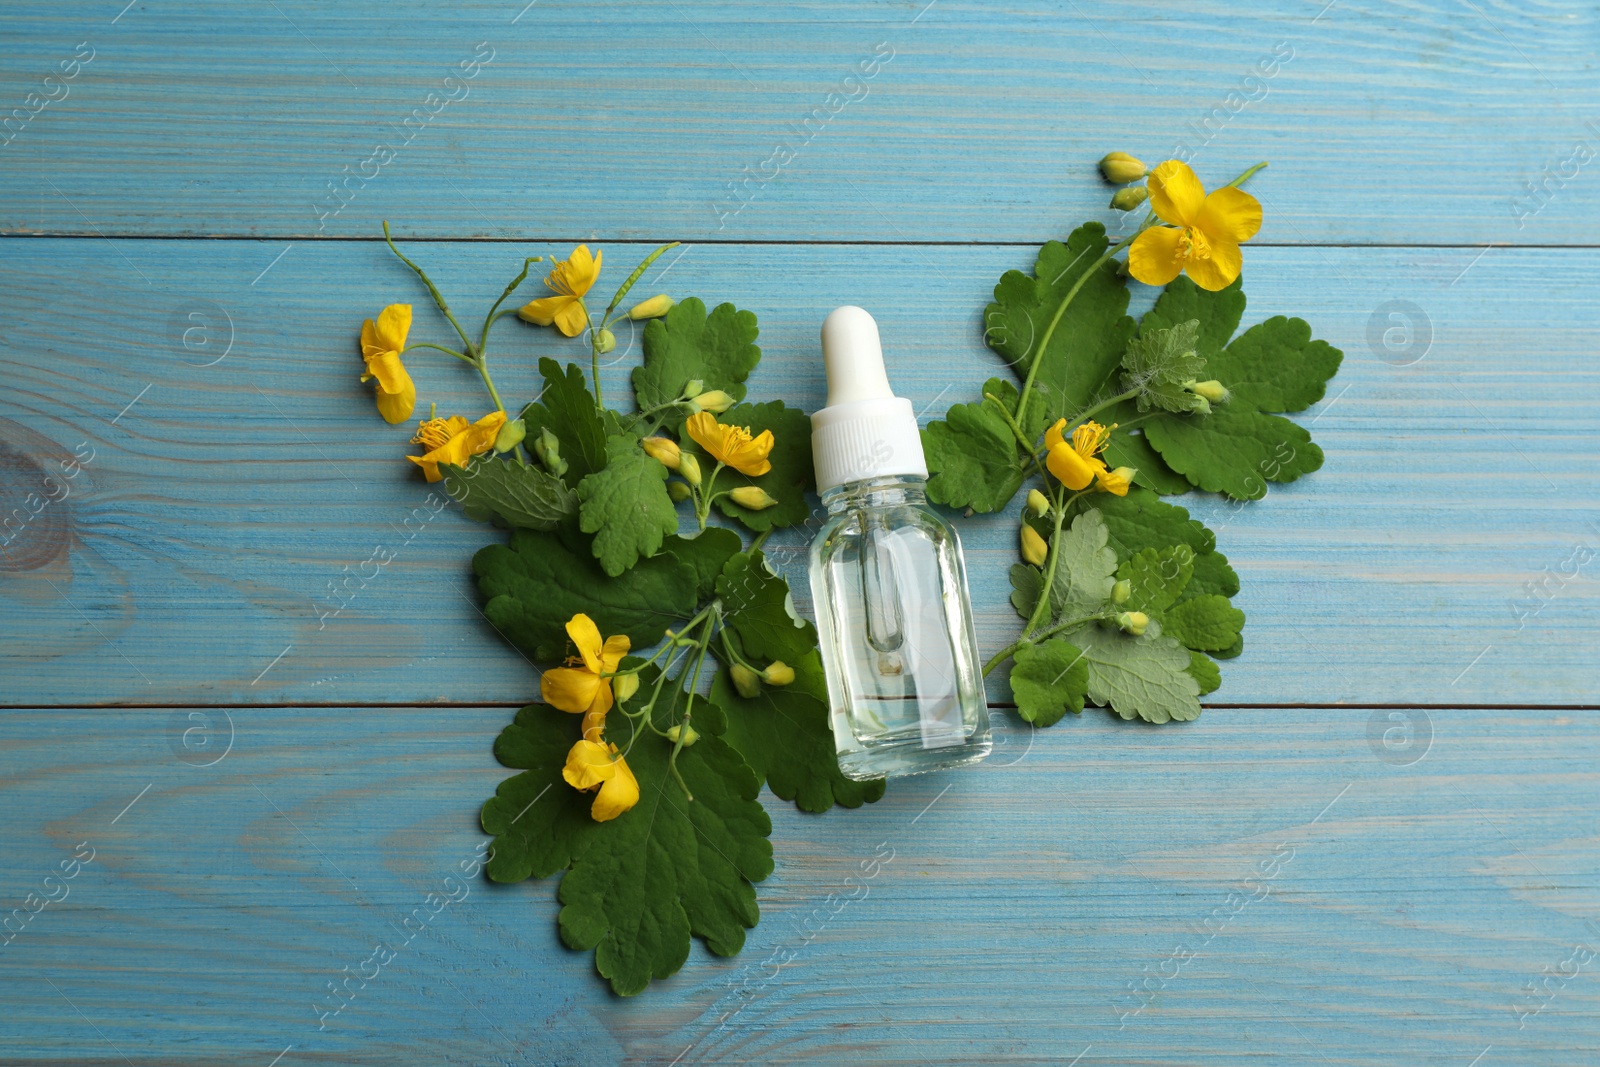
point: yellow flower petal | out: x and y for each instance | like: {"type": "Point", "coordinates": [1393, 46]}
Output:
{"type": "Point", "coordinates": [393, 326]}
{"type": "Point", "coordinates": [1052, 436]}
{"type": "Point", "coordinates": [586, 639]}
{"type": "Point", "coordinates": [579, 273]}
{"type": "Point", "coordinates": [615, 648]}
{"type": "Point", "coordinates": [1115, 482]}
{"type": "Point", "coordinates": [589, 764]}
{"type": "Point", "coordinates": [542, 312]}
{"type": "Point", "coordinates": [397, 407]}
{"type": "Point", "coordinates": [594, 725]}
{"type": "Point", "coordinates": [617, 795]}
{"type": "Point", "coordinates": [572, 318]}
{"type": "Point", "coordinates": [1153, 256]}
{"type": "Point", "coordinates": [1074, 471]}
{"type": "Point", "coordinates": [1219, 269]}
{"type": "Point", "coordinates": [1176, 195]}
{"type": "Point", "coordinates": [571, 689]}
{"type": "Point", "coordinates": [1230, 213]}
{"type": "Point", "coordinates": [454, 441]}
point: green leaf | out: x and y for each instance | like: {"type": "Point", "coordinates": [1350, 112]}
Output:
{"type": "Point", "coordinates": [566, 408]}
{"type": "Point", "coordinates": [1048, 680]}
{"type": "Point", "coordinates": [1218, 313]}
{"type": "Point", "coordinates": [1143, 520]}
{"type": "Point", "coordinates": [626, 506]}
{"type": "Point", "coordinates": [687, 344]}
{"type": "Point", "coordinates": [525, 497]}
{"type": "Point", "coordinates": [1234, 450]}
{"type": "Point", "coordinates": [791, 476]}
{"type": "Point", "coordinates": [707, 552]}
{"type": "Point", "coordinates": [1087, 343]}
{"type": "Point", "coordinates": [1157, 576]}
{"type": "Point", "coordinates": [759, 609]}
{"type": "Point", "coordinates": [1205, 623]}
{"type": "Point", "coordinates": [1276, 366]}
{"type": "Point", "coordinates": [537, 583]}
{"type": "Point", "coordinates": [1138, 677]}
{"type": "Point", "coordinates": [1204, 670]}
{"type": "Point", "coordinates": [1132, 449]}
{"type": "Point", "coordinates": [786, 736]}
{"type": "Point", "coordinates": [1212, 574]}
{"type": "Point", "coordinates": [1159, 362]}
{"type": "Point", "coordinates": [972, 454]}
{"type": "Point", "coordinates": [638, 886]}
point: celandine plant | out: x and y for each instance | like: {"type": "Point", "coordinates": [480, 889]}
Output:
{"type": "Point", "coordinates": [639, 775]}
{"type": "Point", "coordinates": [1124, 597]}
{"type": "Point", "coordinates": [633, 782]}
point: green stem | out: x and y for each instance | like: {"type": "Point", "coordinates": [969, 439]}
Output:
{"type": "Point", "coordinates": [439, 348]}
{"type": "Point", "coordinates": [1040, 608]}
{"type": "Point", "coordinates": [594, 362]}
{"type": "Point", "coordinates": [1011, 650]}
{"type": "Point", "coordinates": [1247, 175]}
{"type": "Point", "coordinates": [438, 298]}
{"type": "Point", "coordinates": [1022, 438]}
{"type": "Point", "coordinates": [1095, 409]}
{"type": "Point", "coordinates": [490, 319]}
{"type": "Point", "coordinates": [688, 707]}
{"type": "Point", "coordinates": [702, 499]}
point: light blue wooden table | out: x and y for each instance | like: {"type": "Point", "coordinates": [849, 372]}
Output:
{"type": "Point", "coordinates": [1411, 734]}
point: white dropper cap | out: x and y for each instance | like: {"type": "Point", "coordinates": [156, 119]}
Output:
{"type": "Point", "coordinates": [865, 431]}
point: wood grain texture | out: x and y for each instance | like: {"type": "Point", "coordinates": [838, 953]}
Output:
{"type": "Point", "coordinates": [1416, 122]}
{"type": "Point", "coordinates": [1015, 904]}
{"type": "Point", "coordinates": [222, 509]}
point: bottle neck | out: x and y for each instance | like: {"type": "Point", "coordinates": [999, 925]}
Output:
{"type": "Point", "coordinates": [888, 491]}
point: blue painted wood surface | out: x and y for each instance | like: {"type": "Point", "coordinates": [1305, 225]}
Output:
{"type": "Point", "coordinates": [294, 785]}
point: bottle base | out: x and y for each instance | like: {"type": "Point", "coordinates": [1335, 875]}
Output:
{"type": "Point", "coordinates": [908, 758]}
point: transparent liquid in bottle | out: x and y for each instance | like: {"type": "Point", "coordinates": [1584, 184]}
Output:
{"type": "Point", "coordinates": [904, 680]}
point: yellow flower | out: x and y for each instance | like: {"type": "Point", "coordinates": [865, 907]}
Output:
{"type": "Point", "coordinates": [596, 765]}
{"type": "Point", "coordinates": [571, 279]}
{"type": "Point", "coordinates": [732, 445]}
{"type": "Point", "coordinates": [454, 441]}
{"type": "Point", "coordinates": [582, 687]}
{"type": "Point", "coordinates": [1203, 232]}
{"type": "Point", "coordinates": [1078, 463]}
{"type": "Point", "coordinates": [381, 345]}
{"type": "Point", "coordinates": [1116, 482]}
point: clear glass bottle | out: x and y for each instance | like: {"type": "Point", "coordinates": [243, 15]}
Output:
{"type": "Point", "coordinates": [895, 624]}
{"type": "Point", "coordinates": [889, 585]}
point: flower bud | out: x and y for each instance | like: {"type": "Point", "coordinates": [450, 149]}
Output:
{"type": "Point", "coordinates": [678, 492]}
{"type": "Point", "coordinates": [1034, 550]}
{"type": "Point", "coordinates": [1038, 503]}
{"type": "Point", "coordinates": [548, 449]}
{"type": "Point", "coordinates": [653, 308]}
{"type": "Point", "coordinates": [685, 731]}
{"type": "Point", "coordinates": [689, 467]}
{"type": "Point", "coordinates": [751, 496]}
{"type": "Point", "coordinates": [663, 449]}
{"type": "Point", "coordinates": [715, 401]}
{"type": "Point", "coordinates": [605, 341]}
{"type": "Point", "coordinates": [1133, 622]}
{"type": "Point", "coordinates": [778, 673]}
{"type": "Point", "coordinates": [694, 388]}
{"type": "Point", "coordinates": [745, 680]}
{"type": "Point", "coordinates": [1212, 390]}
{"type": "Point", "coordinates": [1129, 197]}
{"type": "Point", "coordinates": [1119, 168]}
{"type": "Point", "coordinates": [624, 686]}
{"type": "Point", "coordinates": [1202, 406]}
{"type": "Point", "coordinates": [1121, 591]}
{"type": "Point", "coordinates": [510, 435]}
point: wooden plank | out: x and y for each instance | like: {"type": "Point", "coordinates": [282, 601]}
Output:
{"type": "Point", "coordinates": [1416, 890]}
{"type": "Point", "coordinates": [194, 560]}
{"type": "Point", "coordinates": [1416, 123]}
